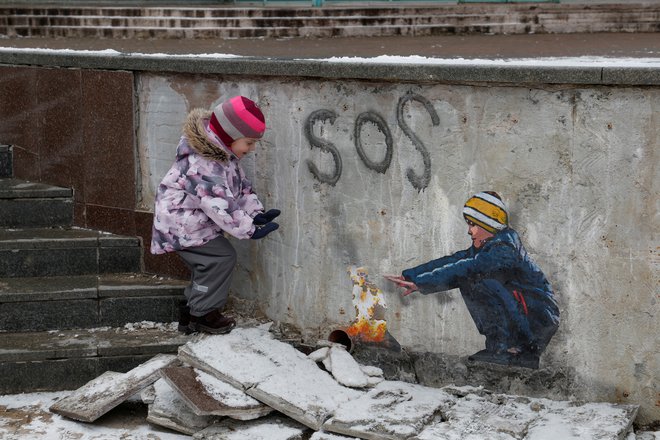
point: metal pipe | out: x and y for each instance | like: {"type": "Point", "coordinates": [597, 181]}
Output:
{"type": "Point", "coordinates": [342, 337]}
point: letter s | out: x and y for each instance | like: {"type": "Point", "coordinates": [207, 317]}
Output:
{"type": "Point", "coordinates": [418, 182]}
{"type": "Point", "coordinates": [325, 146]}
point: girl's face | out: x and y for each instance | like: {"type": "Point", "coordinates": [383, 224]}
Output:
{"type": "Point", "coordinates": [242, 146]}
{"type": "Point", "coordinates": [478, 234]}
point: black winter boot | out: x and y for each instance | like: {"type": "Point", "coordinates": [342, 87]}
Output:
{"type": "Point", "coordinates": [184, 319]}
{"type": "Point", "coordinates": [213, 322]}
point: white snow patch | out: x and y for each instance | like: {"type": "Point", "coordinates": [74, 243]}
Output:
{"type": "Point", "coordinates": [583, 61]}
{"type": "Point", "coordinates": [223, 392]}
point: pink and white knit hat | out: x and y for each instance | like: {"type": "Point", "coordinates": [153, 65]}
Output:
{"type": "Point", "coordinates": [236, 118]}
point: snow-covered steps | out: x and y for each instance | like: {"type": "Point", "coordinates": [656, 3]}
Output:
{"type": "Point", "coordinates": [32, 205]}
{"type": "Point", "coordinates": [38, 252]}
{"type": "Point", "coordinates": [67, 359]}
{"type": "Point", "coordinates": [66, 293]}
{"type": "Point", "coordinates": [85, 301]}
{"type": "Point", "coordinates": [343, 21]}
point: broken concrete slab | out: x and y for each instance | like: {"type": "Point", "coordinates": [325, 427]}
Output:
{"type": "Point", "coordinates": [207, 395]}
{"type": "Point", "coordinates": [371, 371]}
{"type": "Point", "coordinates": [320, 435]}
{"type": "Point", "coordinates": [148, 395]}
{"type": "Point", "coordinates": [225, 356]}
{"type": "Point", "coordinates": [345, 369]}
{"type": "Point", "coordinates": [319, 355]}
{"type": "Point", "coordinates": [470, 418]}
{"type": "Point", "coordinates": [266, 428]}
{"type": "Point", "coordinates": [478, 413]}
{"type": "Point", "coordinates": [391, 410]}
{"type": "Point", "coordinates": [278, 375]}
{"type": "Point", "coordinates": [573, 421]}
{"type": "Point", "coordinates": [440, 429]}
{"type": "Point", "coordinates": [102, 394]}
{"type": "Point", "coordinates": [171, 411]}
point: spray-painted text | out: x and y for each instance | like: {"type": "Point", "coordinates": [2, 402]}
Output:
{"type": "Point", "coordinates": [419, 182]}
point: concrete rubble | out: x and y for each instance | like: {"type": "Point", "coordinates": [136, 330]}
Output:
{"type": "Point", "coordinates": [206, 395]}
{"type": "Point", "coordinates": [248, 385]}
{"type": "Point", "coordinates": [169, 409]}
{"type": "Point", "coordinates": [100, 395]}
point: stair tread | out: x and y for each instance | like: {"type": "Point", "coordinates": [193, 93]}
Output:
{"type": "Point", "coordinates": [49, 237]}
{"type": "Point", "coordinates": [135, 338]}
{"type": "Point", "coordinates": [87, 286]}
{"type": "Point", "coordinates": [17, 188]}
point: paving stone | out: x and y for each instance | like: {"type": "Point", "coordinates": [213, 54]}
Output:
{"type": "Point", "coordinates": [266, 428]}
{"type": "Point", "coordinates": [206, 395]}
{"type": "Point", "coordinates": [169, 410]}
{"type": "Point", "coordinates": [278, 375]}
{"type": "Point", "coordinates": [391, 410]}
{"type": "Point", "coordinates": [100, 395]}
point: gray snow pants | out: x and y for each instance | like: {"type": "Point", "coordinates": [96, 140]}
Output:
{"type": "Point", "coordinates": [211, 265]}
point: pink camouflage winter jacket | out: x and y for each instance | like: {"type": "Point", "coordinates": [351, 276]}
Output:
{"type": "Point", "coordinates": [204, 194]}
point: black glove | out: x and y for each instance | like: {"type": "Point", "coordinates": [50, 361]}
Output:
{"type": "Point", "coordinates": [264, 230]}
{"type": "Point", "coordinates": [266, 217]}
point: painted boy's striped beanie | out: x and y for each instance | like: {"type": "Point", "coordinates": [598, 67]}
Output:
{"type": "Point", "coordinates": [487, 210]}
{"type": "Point", "coordinates": [236, 118]}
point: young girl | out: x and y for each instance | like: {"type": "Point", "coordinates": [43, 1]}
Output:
{"type": "Point", "coordinates": [204, 196]}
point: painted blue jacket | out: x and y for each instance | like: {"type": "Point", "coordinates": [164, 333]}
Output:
{"type": "Point", "coordinates": [502, 258]}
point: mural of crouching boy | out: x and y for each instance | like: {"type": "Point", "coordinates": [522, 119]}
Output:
{"type": "Point", "coordinates": [507, 295]}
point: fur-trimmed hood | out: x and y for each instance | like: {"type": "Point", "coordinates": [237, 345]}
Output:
{"type": "Point", "coordinates": [195, 130]}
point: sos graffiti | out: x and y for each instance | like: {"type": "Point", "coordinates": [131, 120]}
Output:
{"type": "Point", "coordinates": [418, 181]}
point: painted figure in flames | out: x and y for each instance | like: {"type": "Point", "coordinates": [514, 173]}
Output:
{"type": "Point", "coordinates": [508, 296]}
{"type": "Point", "coordinates": [369, 303]}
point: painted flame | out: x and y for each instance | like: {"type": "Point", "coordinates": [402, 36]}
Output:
{"type": "Point", "coordinates": [369, 303]}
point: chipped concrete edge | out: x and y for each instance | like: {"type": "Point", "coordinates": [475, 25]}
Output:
{"type": "Point", "coordinates": [324, 69]}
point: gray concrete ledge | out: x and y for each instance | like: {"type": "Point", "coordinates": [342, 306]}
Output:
{"type": "Point", "coordinates": [433, 73]}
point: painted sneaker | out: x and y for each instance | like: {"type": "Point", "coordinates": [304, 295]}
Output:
{"type": "Point", "coordinates": [213, 322]}
{"type": "Point", "coordinates": [525, 360]}
{"type": "Point", "coordinates": [501, 358]}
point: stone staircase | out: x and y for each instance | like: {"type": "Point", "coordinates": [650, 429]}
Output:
{"type": "Point", "coordinates": [348, 21]}
{"type": "Point", "coordinates": [73, 302]}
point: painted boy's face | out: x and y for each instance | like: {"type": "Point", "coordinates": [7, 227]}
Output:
{"type": "Point", "coordinates": [243, 146]}
{"type": "Point", "coordinates": [478, 234]}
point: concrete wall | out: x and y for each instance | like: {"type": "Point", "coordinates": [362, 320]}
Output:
{"type": "Point", "coordinates": [576, 164]}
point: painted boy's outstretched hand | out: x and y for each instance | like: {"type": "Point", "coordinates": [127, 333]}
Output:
{"type": "Point", "coordinates": [401, 282]}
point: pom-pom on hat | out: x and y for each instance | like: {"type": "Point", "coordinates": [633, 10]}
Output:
{"type": "Point", "coordinates": [236, 118]}
{"type": "Point", "coordinates": [487, 210]}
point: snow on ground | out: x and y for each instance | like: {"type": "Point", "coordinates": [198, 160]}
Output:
{"type": "Point", "coordinates": [583, 61]}
{"type": "Point", "coordinates": [26, 416]}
